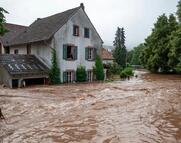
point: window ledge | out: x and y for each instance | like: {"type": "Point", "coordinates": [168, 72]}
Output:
{"type": "Point", "coordinates": [69, 60]}
{"type": "Point", "coordinates": [76, 35]}
{"type": "Point", "coordinates": [90, 60]}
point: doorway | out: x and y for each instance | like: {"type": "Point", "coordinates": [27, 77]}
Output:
{"type": "Point", "coordinates": [15, 83]}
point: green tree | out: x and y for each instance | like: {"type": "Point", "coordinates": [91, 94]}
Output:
{"type": "Point", "coordinates": [175, 42]}
{"type": "Point", "coordinates": [81, 74]}
{"type": "Point", "coordinates": [136, 57]}
{"type": "Point", "coordinates": [120, 52]}
{"type": "Point", "coordinates": [155, 55]}
{"type": "Point", "coordinates": [99, 69]}
{"type": "Point", "coordinates": [3, 30]}
{"type": "Point", "coordinates": [173, 24]}
{"type": "Point", "coordinates": [54, 74]}
{"type": "Point", "coordinates": [179, 11]}
{"type": "Point", "coordinates": [175, 50]}
{"type": "Point", "coordinates": [130, 56]}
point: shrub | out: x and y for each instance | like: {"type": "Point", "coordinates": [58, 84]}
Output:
{"type": "Point", "coordinates": [115, 69]}
{"type": "Point", "coordinates": [54, 74]}
{"type": "Point", "coordinates": [123, 74]}
{"type": "Point", "coordinates": [98, 69]}
{"type": "Point", "coordinates": [127, 72]}
{"type": "Point", "coordinates": [81, 74]}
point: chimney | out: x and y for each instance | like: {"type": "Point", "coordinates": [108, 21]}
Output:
{"type": "Point", "coordinates": [82, 6]}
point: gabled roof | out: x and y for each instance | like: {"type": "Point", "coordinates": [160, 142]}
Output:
{"type": "Point", "coordinates": [45, 28]}
{"type": "Point", "coordinates": [13, 31]}
{"type": "Point", "coordinates": [23, 65]}
{"type": "Point", "coordinates": [106, 55]}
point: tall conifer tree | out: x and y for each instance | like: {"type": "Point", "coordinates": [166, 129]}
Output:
{"type": "Point", "coordinates": [120, 52]}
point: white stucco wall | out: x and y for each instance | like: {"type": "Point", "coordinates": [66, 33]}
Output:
{"type": "Point", "coordinates": [21, 49]}
{"type": "Point", "coordinates": [65, 36]}
{"type": "Point", "coordinates": [107, 61]}
{"type": "Point", "coordinates": [5, 77]}
{"type": "Point", "coordinates": [41, 49]}
{"type": "Point", "coordinates": [2, 48]}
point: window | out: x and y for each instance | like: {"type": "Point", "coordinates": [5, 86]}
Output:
{"type": "Point", "coordinates": [68, 76]}
{"type": "Point", "coordinates": [90, 75]}
{"type": "Point", "coordinates": [28, 49]}
{"type": "Point", "coordinates": [90, 53]}
{"type": "Point", "coordinates": [16, 51]}
{"type": "Point", "coordinates": [86, 32]}
{"type": "Point", "coordinates": [69, 52]}
{"type": "Point", "coordinates": [76, 30]}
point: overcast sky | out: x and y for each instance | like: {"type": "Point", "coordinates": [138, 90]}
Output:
{"type": "Point", "coordinates": [136, 16]}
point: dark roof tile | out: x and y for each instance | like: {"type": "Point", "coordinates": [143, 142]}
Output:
{"type": "Point", "coordinates": [14, 30]}
{"type": "Point", "coordinates": [45, 28]}
{"type": "Point", "coordinates": [23, 65]}
{"type": "Point", "coordinates": [106, 55]}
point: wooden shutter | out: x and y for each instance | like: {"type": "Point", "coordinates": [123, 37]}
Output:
{"type": "Point", "coordinates": [95, 53]}
{"type": "Point", "coordinates": [86, 53]}
{"type": "Point", "coordinates": [65, 52]}
{"type": "Point", "coordinates": [75, 53]}
{"type": "Point", "coordinates": [64, 77]}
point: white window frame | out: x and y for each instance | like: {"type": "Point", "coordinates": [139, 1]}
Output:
{"type": "Point", "coordinates": [90, 53]}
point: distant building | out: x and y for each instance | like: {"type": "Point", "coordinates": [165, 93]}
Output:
{"type": "Point", "coordinates": [109, 48]}
{"type": "Point", "coordinates": [106, 56]}
{"type": "Point", "coordinates": [107, 59]}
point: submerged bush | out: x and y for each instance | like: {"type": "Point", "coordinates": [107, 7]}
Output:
{"type": "Point", "coordinates": [115, 69]}
{"type": "Point", "coordinates": [98, 69]}
{"type": "Point", "coordinates": [81, 74]}
{"type": "Point", "coordinates": [127, 72]}
{"type": "Point", "coordinates": [54, 74]}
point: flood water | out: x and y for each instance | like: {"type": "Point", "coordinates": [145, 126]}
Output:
{"type": "Point", "coordinates": [146, 109]}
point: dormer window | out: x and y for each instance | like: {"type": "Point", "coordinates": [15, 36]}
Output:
{"type": "Point", "coordinates": [75, 30]}
{"type": "Point", "coordinates": [86, 32]}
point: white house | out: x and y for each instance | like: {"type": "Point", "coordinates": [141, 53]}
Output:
{"type": "Point", "coordinates": [70, 33]}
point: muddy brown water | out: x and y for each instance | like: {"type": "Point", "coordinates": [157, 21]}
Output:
{"type": "Point", "coordinates": [146, 109]}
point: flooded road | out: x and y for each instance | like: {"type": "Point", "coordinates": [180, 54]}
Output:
{"type": "Point", "coordinates": [146, 109]}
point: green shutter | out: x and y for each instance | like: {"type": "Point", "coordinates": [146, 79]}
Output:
{"type": "Point", "coordinates": [75, 53]}
{"type": "Point", "coordinates": [95, 53]}
{"type": "Point", "coordinates": [64, 77]}
{"type": "Point", "coordinates": [86, 53]}
{"type": "Point", "coordinates": [64, 52]}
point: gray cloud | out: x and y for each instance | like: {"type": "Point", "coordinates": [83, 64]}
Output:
{"type": "Point", "coordinates": [137, 16]}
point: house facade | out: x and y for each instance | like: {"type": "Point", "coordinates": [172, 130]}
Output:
{"type": "Point", "coordinates": [70, 33]}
